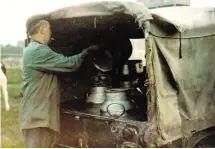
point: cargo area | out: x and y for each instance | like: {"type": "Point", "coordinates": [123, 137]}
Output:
{"type": "Point", "coordinates": [97, 103]}
{"type": "Point", "coordinates": [108, 92]}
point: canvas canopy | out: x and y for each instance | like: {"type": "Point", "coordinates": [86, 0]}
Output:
{"type": "Point", "coordinates": [180, 59]}
{"type": "Point", "coordinates": [98, 16]}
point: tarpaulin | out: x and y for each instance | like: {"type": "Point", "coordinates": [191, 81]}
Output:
{"type": "Point", "coordinates": [97, 14]}
{"type": "Point", "coordinates": [180, 59]}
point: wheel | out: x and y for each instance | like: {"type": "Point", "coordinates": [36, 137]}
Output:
{"type": "Point", "coordinates": [207, 142]}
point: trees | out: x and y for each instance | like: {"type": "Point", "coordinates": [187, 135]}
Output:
{"type": "Point", "coordinates": [11, 50]}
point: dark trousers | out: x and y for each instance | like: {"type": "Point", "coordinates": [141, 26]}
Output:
{"type": "Point", "coordinates": [39, 137]}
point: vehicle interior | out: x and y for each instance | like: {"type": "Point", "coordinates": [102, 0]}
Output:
{"type": "Point", "coordinates": [110, 69]}
{"type": "Point", "coordinates": [111, 84]}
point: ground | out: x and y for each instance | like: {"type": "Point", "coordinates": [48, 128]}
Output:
{"type": "Point", "coordinates": [11, 135]}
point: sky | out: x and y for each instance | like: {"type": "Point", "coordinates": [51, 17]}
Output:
{"type": "Point", "coordinates": [14, 13]}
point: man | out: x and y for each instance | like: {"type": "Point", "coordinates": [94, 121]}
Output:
{"type": "Point", "coordinates": [39, 110]}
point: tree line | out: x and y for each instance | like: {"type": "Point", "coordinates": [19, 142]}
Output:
{"type": "Point", "coordinates": [9, 49]}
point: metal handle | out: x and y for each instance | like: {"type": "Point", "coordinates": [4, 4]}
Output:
{"type": "Point", "coordinates": [113, 128]}
{"type": "Point", "coordinates": [130, 145]}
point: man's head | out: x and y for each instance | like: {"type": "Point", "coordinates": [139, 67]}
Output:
{"type": "Point", "coordinates": [39, 29]}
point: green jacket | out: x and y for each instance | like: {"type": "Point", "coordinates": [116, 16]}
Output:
{"type": "Point", "coordinates": [41, 87]}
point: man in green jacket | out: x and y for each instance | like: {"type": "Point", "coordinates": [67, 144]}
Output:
{"type": "Point", "coordinates": [39, 110]}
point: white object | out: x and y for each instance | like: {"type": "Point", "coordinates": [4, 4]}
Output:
{"type": "Point", "coordinates": [3, 88]}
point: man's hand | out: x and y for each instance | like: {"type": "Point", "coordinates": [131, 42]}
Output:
{"type": "Point", "coordinates": [92, 48]}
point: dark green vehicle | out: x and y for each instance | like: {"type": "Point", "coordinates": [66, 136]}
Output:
{"type": "Point", "coordinates": [113, 101]}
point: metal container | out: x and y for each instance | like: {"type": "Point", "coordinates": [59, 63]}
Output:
{"type": "Point", "coordinates": [126, 84]}
{"type": "Point", "coordinates": [131, 70]}
{"type": "Point", "coordinates": [97, 95]}
{"type": "Point", "coordinates": [103, 61]}
{"type": "Point", "coordinates": [117, 102]}
{"type": "Point", "coordinates": [101, 80]}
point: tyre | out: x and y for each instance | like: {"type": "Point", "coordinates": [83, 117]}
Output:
{"type": "Point", "coordinates": [207, 142]}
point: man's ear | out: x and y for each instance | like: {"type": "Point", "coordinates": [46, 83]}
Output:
{"type": "Point", "coordinates": [41, 30]}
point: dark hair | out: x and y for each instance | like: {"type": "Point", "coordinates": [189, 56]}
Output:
{"type": "Point", "coordinates": [3, 68]}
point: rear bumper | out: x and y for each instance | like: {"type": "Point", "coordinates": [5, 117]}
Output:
{"type": "Point", "coordinates": [85, 130]}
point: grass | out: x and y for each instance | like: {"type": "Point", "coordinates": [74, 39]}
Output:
{"type": "Point", "coordinates": [11, 136]}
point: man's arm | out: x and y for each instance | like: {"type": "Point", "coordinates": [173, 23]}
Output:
{"type": "Point", "coordinates": [47, 60]}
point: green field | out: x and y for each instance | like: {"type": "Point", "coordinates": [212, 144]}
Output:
{"type": "Point", "coordinates": [11, 135]}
